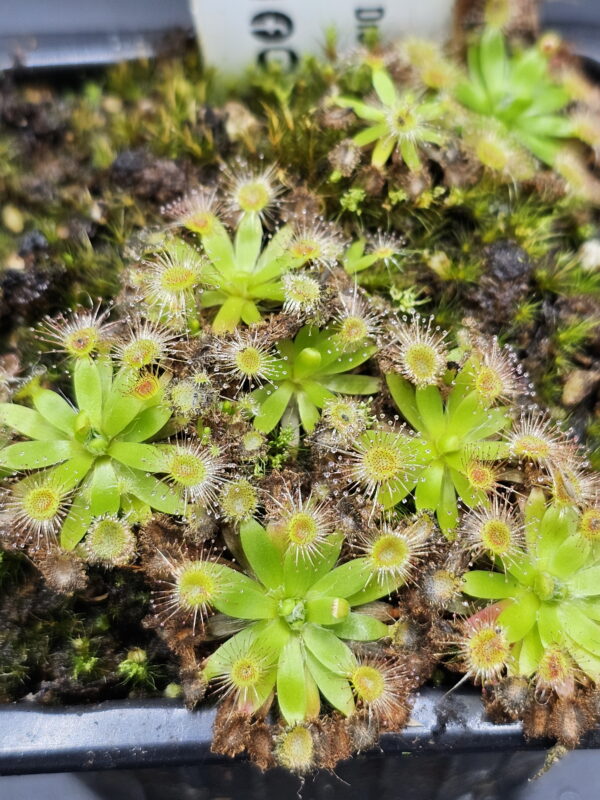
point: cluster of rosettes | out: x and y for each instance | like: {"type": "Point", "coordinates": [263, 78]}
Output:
{"type": "Point", "coordinates": [511, 111]}
{"type": "Point", "coordinates": [273, 447]}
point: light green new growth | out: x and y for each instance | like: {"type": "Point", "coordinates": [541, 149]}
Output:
{"type": "Point", "coordinates": [548, 589]}
{"type": "Point", "coordinates": [91, 458]}
{"type": "Point", "coordinates": [240, 277]}
{"type": "Point", "coordinates": [310, 371]}
{"type": "Point", "coordinates": [518, 92]}
{"type": "Point", "coordinates": [457, 427]}
{"type": "Point", "coordinates": [400, 121]}
{"type": "Point", "coordinates": [298, 612]}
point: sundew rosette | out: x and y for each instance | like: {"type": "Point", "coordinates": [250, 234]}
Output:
{"type": "Point", "coordinates": [545, 588]}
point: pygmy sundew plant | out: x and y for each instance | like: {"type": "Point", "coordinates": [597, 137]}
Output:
{"type": "Point", "coordinates": [402, 122]}
{"type": "Point", "coordinates": [239, 276]}
{"type": "Point", "coordinates": [546, 584]}
{"type": "Point", "coordinates": [457, 422]}
{"type": "Point", "coordinates": [300, 610]}
{"type": "Point", "coordinates": [517, 91]}
{"type": "Point", "coordinates": [92, 458]}
{"type": "Point", "coordinates": [311, 370]}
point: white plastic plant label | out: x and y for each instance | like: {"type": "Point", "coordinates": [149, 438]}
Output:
{"type": "Point", "coordinates": [236, 33]}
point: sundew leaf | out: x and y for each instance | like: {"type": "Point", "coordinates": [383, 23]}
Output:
{"type": "Point", "coordinates": [465, 491]}
{"type": "Point", "coordinates": [266, 282]}
{"type": "Point", "coordinates": [472, 95]}
{"type": "Point", "coordinates": [28, 422]}
{"type": "Point", "coordinates": [361, 109]}
{"type": "Point", "coordinates": [588, 662]}
{"type": "Point", "coordinates": [382, 151]}
{"type": "Point", "coordinates": [146, 424]}
{"type": "Point", "coordinates": [521, 568]}
{"type": "Point", "coordinates": [569, 557]}
{"type": "Point", "coordinates": [308, 411]}
{"type": "Point", "coordinates": [263, 555]}
{"type": "Point", "coordinates": [104, 367]}
{"type": "Point", "coordinates": [307, 336]}
{"type": "Point", "coordinates": [549, 625]}
{"type": "Point", "coordinates": [273, 407]}
{"type": "Point", "coordinates": [529, 68]}
{"type": "Point", "coordinates": [229, 315]}
{"type": "Point", "coordinates": [275, 249]}
{"type": "Point", "coordinates": [403, 395]}
{"type": "Point", "coordinates": [270, 291]}
{"type": "Point", "coordinates": [580, 628]}
{"type": "Point", "coordinates": [248, 239]}
{"type": "Point", "coordinates": [409, 153]}
{"type": "Point", "coordinates": [552, 533]}
{"type": "Point", "coordinates": [365, 137]}
{"type": "Point", "coordinates": [313, 696]}
{"type": "Point", "coordinates": [334, 688]}
{"type": "Point", "coordinates": [590, 606]}
{"type": "Point", "coordinates": [157, 494]}
{"type": "Point", "coordinates": [462, 385]}
{"type": "Point", "coordinates": [585, 583]}
{"type": "Point", "coordinates": [72, 472]}
{"type": "Point", "coordinates": [489, 585]}
{"type": "Point", "coordinates": [316, 392]}
{"type": "Point", "coordinates": [261, 693]}
{"type": "Point", "coordinates": [429, 486]}
{"type": "Point", "coordinates": [374, 589]}
{"type": "Point", "coordinates": [550, 125]}
{"type": "Point", "coordinates": [88, 390]}
{"type": "Point", "coordinates": [347, 362]}
{"type": "Point", "coordinates": [353, 384]}
{"type": "Point", "coordinates": [105, 497]}
{"type": "Point", "coordinates": [493, 62]}
{"type": "Point", "coordinates": [242, 597]}
{"type": "Point", "coordinates": [212, 297]}
{"type": "Point", "coordinates": [120, 409]}
{"type": "Point", "coordinates": [55, 410]}
{"type": "Point", "coordinates": [35, 454]}
{"type": "Point", "coordinates": [447, 510]}
{"type": "Point", "coordinates": [218, 247]}
{"type": "Point", "coordinates": [249, 312]}
{"type": "Point", "coordinates": [391, 494]}
{"type": "Point", "coordinates": [299, 572]}
{"type": "Point", "coordinates": [531, 653]}
{"type": "Point", "coordinates": [343, 581]}
{"type": "Point", "coordinates": [491, 421]}
{"type": "Point", "coordinates": [520, 616]}
{"type": "Point", "coordinates": [328, 611]}
{"type": "Point", "coordinates": [384, 87]}
{"type": "Point", "coordinates": [361, 628]}
{"type": "Point", "coordinates": [76, 523]}
{"type": "Point", "coordinates": [291, 685]}
{"type": "Point", "coordinates": [144, 457]}
{"type": "Point", "coordinates": [544, 149]}
{"type": "Point", "coordinates": [468, 418]}
{"type": "Point", "coordinates": [299, 580]}
{"type": "Point", "coordinates": [431, 410]}
{"type": "Point", "coordinates": [328, 649]}
{"type": "Point", "coordinates": [534, 511]}
{"type": "Point", "coordinates": [487, 450]}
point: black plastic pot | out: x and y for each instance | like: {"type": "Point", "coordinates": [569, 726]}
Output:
{"type": "Point", "coordinates": [450, 750]}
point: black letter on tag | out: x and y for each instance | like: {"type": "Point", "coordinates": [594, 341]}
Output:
{"type": "Point", "coordinates": [283, 56]}
{"type": "Point", "coordinates": [271, 26]}
{"type": "Point", "coordinates": [369, 15]}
